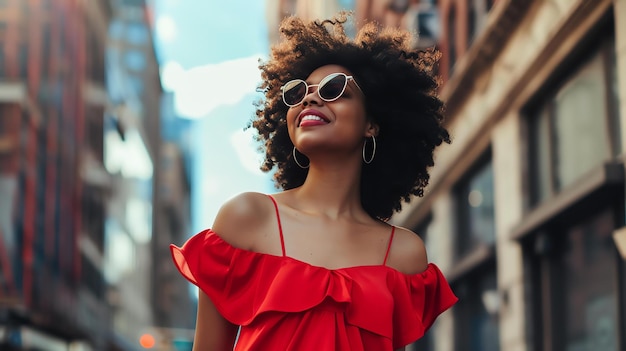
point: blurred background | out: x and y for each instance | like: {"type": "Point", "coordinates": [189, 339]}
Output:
{"type": "Point", "coordinates": [122, 131]}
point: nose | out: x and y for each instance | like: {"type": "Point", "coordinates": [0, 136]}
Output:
{"type": "Point", "coordinates": [311, 96]}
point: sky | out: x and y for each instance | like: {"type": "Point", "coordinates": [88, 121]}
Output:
{"type": "Point", "coordinates": [208, 51]}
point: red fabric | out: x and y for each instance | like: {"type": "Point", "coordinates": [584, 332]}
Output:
{"type": "Point", "coordinates": [285, 304]}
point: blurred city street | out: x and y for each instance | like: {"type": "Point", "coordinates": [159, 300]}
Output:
{"type": "Point", "coordinates": [122, 131]}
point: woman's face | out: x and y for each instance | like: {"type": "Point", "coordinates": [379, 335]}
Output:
{"type": "Point", "coordinates": [318, 125]}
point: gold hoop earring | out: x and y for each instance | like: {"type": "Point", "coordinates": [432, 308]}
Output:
{"type": "Point", "coordinates": [293, 152]}
{"type": "Point", "coordinates": [368, 161]}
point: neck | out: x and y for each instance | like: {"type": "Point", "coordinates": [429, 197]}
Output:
{"type": "Point", "coordinates": [332, 189]}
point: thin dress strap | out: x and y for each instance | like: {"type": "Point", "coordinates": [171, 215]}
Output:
{"type": "Point", "coordinates": [280, 226]}
{"type": "Point", "coordinates": [393, 230]}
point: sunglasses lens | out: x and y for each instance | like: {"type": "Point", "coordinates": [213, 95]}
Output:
{"type": "Point", "coordinates": [294, 92]}
{"type": "Point", "coordinates": [332, 88]}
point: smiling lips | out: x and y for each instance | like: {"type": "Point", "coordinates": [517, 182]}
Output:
{"type": "Point", "coordinates": [310, 118]}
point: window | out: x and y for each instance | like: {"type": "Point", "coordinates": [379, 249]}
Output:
{"type": "Point", "coordinates": [23, 60]}
{"type": "Point", "coordinates": [577, 278]}
{"type": "Point", "coordinates": [46, 52]}
{"type": "Point", "coordinates": [136, 84]}
{"type": "Point", "coordinates": [2, 61]}
{"type": "Point", "coordinates": [427, 24]}
{"type": "Point", "coordinates": [137, 33]}
{"type": "Point", "coordinates": [135, 60]}
{"type": "Point", "coordinates": [95, 59]}
{"type": "Point", "coordinates": [475, 208]}
{"type": "Point", "coordinates": [473, 14]}
{"type": "Point", "coordinates": [575, 129]}
{"type": "Point", "coordinates": [451, 38]}
{"type": "Point", "coordinates": [476, 325]}
{"type": "Point", "coordinates": [116, 29]}
{"type": "Point", "coordinates": [476, 18]}
{"type": "Point", "coordinates": [475, 315]}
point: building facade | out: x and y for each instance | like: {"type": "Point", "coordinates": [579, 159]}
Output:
{"type": "Point", "coordinates": [132, 157]}
{"type": "Point", "coordinates": [525, 207]}
{"type": "Point", "coordinates": [80, 175]}
{"type": "Point", "coordinates": [174, 306]}
{"type": "Point", "coordinates": [52, 290]}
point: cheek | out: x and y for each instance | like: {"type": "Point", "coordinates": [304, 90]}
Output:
{"type": "Point", "coordinates": [291, 118]}
{"type": "Point", "coordinates": [291, 123]}
{"type": "Point", "coordinates": [354, 114]}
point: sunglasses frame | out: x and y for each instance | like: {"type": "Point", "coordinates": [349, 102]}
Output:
{"type": "Point", "coordinates": [325, 80]}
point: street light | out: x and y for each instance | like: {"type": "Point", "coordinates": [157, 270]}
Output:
{"type": "Point", "coordinates": [147, 341]}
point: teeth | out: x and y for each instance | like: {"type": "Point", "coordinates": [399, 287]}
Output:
{"type": "Point", "coordinates": [312, 118]}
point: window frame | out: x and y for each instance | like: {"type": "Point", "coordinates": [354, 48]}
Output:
{"type": "Point", "coordinates": [462, 336]}
{"type": "Point", "coordinates": [544, 100]}
{"type": "Point", "coordinates": [461, 222]}
{"type": "Point", "coordinates": [541, 253]}
{"type": "Point", "coordinates": [478, 261]}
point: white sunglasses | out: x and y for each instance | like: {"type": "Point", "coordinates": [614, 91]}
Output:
{"type": "Point", "coordinates": [329, 89]}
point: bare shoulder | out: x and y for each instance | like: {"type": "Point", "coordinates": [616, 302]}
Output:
{"type": "Point", "coordinates": [241, 217]}
{"type": "Point", "coordinates": [408, 252]}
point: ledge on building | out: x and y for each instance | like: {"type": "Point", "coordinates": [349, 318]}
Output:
{"type": "Point", "coordinates": [471, 262]}
{"type": "Point", "coordinates": [582, 196]}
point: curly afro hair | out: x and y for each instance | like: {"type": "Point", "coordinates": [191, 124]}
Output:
{"type": "Point", "coordinates": [400, 91]}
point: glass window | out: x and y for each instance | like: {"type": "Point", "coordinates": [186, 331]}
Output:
{"type": "Point", "coordinates": [580, 109]}
{"type": "Point", "coordinates": [573, 131]}
{"type": "Point", "coordinates": [23, 60]}
{"type": "Point", "coordinates": [476, 323]}
{"type": "Point", "coordinates": [428, 25]}
{"type": "Point", "coordinates": [473, 18]}
{"type": "Point", "coordinates": [136, 84]}
{"type": "Point", "coordinates": [451, 38]}
{"type": "Point", "coordinates": [46, 50]}
{"type": "Point", "coordinates": [2, 61]}
{"type": "Point", "coordinates": [137, 33]}
{"type": "Point", "coordinates": [584, 295]}
{"type": "Point", "coordinates": [135, 60]}
{"type": "Point", "coordinates": [475, 209]}
{"type": "Point", "coordinates": [116, 29]}
{"type": "Point", "coordinates": [119, 251]}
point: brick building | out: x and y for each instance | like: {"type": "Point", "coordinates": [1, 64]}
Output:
{"type": "Point", "coordinates": [82, 184]}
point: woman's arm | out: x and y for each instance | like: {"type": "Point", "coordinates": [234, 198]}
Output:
{"type": "Point", "coordinates": [213, 332]}
{"type": "Point", "coordinates": [238, 222]}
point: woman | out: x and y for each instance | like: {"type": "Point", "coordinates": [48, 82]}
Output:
{"type": "Point", "coordinates": [350, 128]}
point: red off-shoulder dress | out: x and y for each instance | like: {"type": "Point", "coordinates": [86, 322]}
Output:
{"type": "Point", "coordinates": [282, 303]}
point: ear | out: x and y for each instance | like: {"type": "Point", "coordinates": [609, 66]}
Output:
{"type": "Point", "coordinates": [372, 129]}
